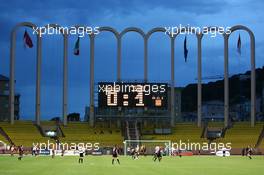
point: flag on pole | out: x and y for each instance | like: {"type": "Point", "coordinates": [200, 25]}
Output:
{"type": "Point", "coordinates": [185, 49]}
{"type": "Point", "coordinates": [77, 47]}
{"type": "Point", "coordinates": [239, 45]}
{"type": "Point", "coordinates": [27, 40]}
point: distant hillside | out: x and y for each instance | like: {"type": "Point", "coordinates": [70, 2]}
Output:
{"type": "Point", "coordinates": [239, 90]}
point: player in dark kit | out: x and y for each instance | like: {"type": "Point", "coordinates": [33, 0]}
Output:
{"type": "Point", "coordinates": [249, 152]}
{"type": "Point", "coordinates": [81, 155]}
{"type": "Point", "coordinates": [115, 155]}
{"type": "Point", "coordinates": [20, 152]}
{"type": "Point", "coordinates": [157, 154]}
{"type": "Point", "coordinates": [133, 152]}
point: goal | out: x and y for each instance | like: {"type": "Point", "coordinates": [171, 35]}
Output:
{"type": "Point", "coordinates": [149, 145]}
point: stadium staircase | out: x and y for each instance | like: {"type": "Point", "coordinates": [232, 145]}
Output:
{"type": "Point", "coordinates": [216, 127]}
{"type": "Point", "coordinates": [4, 137]}
{"type": "Point", "coordinates": [132, 131]}
{"type": "Point", "coordinates": [39, 129]}
{"type": "Point", "coordinates": [59, 124]}
{"type": "Point", "coordinates": [52, 125]}
{"type": "Point", "coordinates": [224, 131]}
{"type": "Point", "coordinates": [260, 139]}
{"type": "Point", "coordinates": [203, 135]}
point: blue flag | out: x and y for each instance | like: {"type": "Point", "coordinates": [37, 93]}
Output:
{"type": "Point", "coordinates": [77, 47]}
{"type": "Point", "coordinates": [239, 45]}
{"type": "Point", "coordinates": [185, 49]}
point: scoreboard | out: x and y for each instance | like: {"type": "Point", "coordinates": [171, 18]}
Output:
{"type": "Point", "coordinates": [121, 94]}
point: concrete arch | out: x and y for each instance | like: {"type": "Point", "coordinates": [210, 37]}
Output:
{"type": "Point", "coordinates": [132, 29]}
{"type": "Point", "coordinates": [110, 29]}
{"type": "Point", "coordinates": [118, 39]}
{"type": "Point", "coordinates": [12, 68]}
{"type": "Point", "coordinates": [65, 70]}
{"type": "Point", "coordinates": [92, 39]}
{"type": "Point", "coordinates": [154, 30]}
{"type": "Point", "coordinates": [24, 24]}
{"type": "Point", "coordinates": [172, 42]}
{"type": "Point", "coordinates": [241, 27]}
{"type": "Point", "coordinates": [253, 66]}
{"type": "Point", "coordinates": [199, 37]}
{"type": "Point", "coordinates": [119, 36]}
{"type": "Point", "coordinates": [146, 40]}
{"type": "Point", "coordinates": [92, 43]}
{"type": "Point", "coordinates": [213, 28]}
{"type": "Point", "coordinates": [226, 72]}
{"type": "Point", "coordinates": [126, 30]}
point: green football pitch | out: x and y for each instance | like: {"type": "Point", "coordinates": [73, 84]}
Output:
{"type": "Point", "coordinates": [101, 165]}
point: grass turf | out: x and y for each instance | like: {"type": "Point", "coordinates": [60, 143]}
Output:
{"type": "Point", "coordinates": [101, 165]}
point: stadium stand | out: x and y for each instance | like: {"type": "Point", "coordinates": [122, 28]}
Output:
{"type": "Point", "coordinates": [242, 135]}
{"type": "Point", "coordinates": [186, 132]}
{"type": "Point", "coordinates": [48, 123]}
{"type": "Point", "coordinates": [81, 132]}
{"type": "Point", "coordinates": [23, 133]}
{"type": "Point", "coordinates": [215, 124]}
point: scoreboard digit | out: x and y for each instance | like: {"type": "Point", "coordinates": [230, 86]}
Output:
{"type": "Point", "coordinates": [150, 95]}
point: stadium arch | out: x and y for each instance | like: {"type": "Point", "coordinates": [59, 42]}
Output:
{"type": "Point", "coordinates": [12, 68]}
{"type": "Point", "coordinates": [119, 38]}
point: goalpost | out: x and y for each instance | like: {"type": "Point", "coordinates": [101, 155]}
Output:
{"type": "Point", "coordinates": [149, 144]}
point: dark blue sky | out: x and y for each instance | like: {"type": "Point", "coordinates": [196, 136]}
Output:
{"type": "Point", "coordinates": [121, 14]}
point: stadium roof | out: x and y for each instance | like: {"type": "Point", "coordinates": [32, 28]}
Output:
{"type": "Point", "coordinates": [3, 78]}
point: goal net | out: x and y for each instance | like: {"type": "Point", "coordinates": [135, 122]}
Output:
{"type": "Point", "coordinates": [149, 146]}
